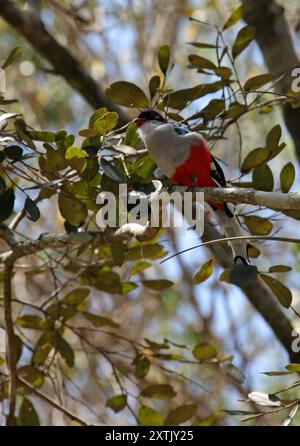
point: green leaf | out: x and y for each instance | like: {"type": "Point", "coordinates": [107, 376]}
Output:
{"type": "Point", "coordinates": [287, 177]}
{"type": "Point", "coordinates": [147, 251]}
{"type": "Point", "coordinates": [258, 225]}
{"type": "Point", "coordinates": [149, 417]}
{"type": "Point", "coordinates": [273, 138]}
{"type": "Point", "coordinates": [223, 72]}
{"type": "Point", "coordinates": [14, 153]}
{"type": "Point", "coordinates": [276, 373]}
{"type": "Point", "coordinates": [32, 375]}
{"type": "Point", "coordinates": [236, 15]}
{"type": "Point", "coordinates": [142, 365]}
{"type": "Point", "coordinates": [282, 293]}
{"type": "Point", "coordinates": [280, 269]}
{"type": "Point", "coordinates": [131, 136]}
{"type": "Point", "coordinates": [164, 58]}
{"type": "Point", "coordinates": [154, 84]}
{"type": "Point", "coordinates": [100, 321]}
{"type": "Point", "coordinates": [180, 415]}
{"type": "Point", "coordinates": [128, 286]}
{"type": "Point", "coordinates": [76, 297]}
{"type": "Point", "coordinates": [262, 178]}
{"type": "Point", "coordinates": [252, 251]}
{"type": "Point", "coordinates": [295, 368]}
{"type": "Point", "coordinates": [276, 151]}
{"type": "Point", "coordinates": [204, 351]}
{"type": "Point", "coordinates": [180, 98]}
{"type": "Point", "coordinates": [27, 414]}
{"type": "Point", "coordinates": [201, 62]}
{"type": "Point", "coordinates": [254, 83]}
{"type": "Point", "coordinates": [31, 321]}
{"type": "Point", "coordinates": [159, 391]}
{"type": "Point", "coordinates": [108, 281]}
{"type": "Point", "coordinates": [235, 110]}
{"type": "Point", "coordinates": [106, 123]}
{"type": "Point", "coordinates": [74, 152]}
{"type": "Point", "coordinates": [209, 421]}
{"type": "Point", "coordinates": [156, 346]}
{"type": "Point", "coordinates": [88, 133]}
{"type": "Point", "coordinates": [42, 349]}
{"type": "Point", "coordinates": [65, 351]}
{"type": "Point", "coordinates": [12, 57]}
{"type": "Point", "coordinates": [91, 169]}
{"type": "Point", "coordinates": [127, 94]}
{"type": "Point", "coordinates": [202, 45]}
{"type": "Point", "coordinates": [42, 136]}
{"type": "Point", "coordinates": [224, 276]}
{"type": "Point", "coordinates": [157, 285]}
{"type": "Point", "coordinates": [7, 201]}
{"type": "Point", "coordinates": [118, 252]}
{"type": "Point", "coordinates": [18, 347]}
{"type": "Point", "coordinates": [204, 273]}
{"type": "Point", "coordinates": [71, 209]}
{"type": "Point", "coordinates": [143, 167]}
{"type": "Point", "coordinates": [138, 267]}
{"type": "Point", "coordinates": [117, 403]}
{"type": "Point", "coordinates": [213, 109]}
{"type": "Point", "coordinates": [238, 412]}
{"type": "Point", "coordinates": [32, 210]}
{"type": "Point", "coordinates": [243, 40]}
{"type": "Point", "coordinates": [255, 158]}
{"type": "Point", "coordinates": [96, 115]}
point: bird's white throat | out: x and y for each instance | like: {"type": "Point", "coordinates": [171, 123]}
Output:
{"type": "Point", "coordinates": [147, 128]}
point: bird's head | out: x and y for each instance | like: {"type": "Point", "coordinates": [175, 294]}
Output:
{"type": "Point", "coordinates": [149, 116]}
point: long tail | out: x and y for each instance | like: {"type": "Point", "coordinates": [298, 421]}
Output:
{"type": "Point", "coordinates": [232, 228]}
{"type": "Point", "coordinates": [242, 272]}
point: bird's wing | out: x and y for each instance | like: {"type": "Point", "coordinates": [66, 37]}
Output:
{"type": "Point", "coordinates": [217, 173]}
{"type": "Point", "coordinates": [180, 130]}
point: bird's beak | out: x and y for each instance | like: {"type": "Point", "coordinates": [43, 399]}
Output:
{"type": "Point", "coordinates": [138, 122]}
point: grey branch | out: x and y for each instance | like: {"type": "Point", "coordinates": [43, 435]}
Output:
{"type": "Point", "coordinates": [52, 403]}
{"type": "Point", "coordinates": [275, 41]}
{"type": "Point", "coordinates": [273, 200]}
{"type": "Point", "coordinates": [11, 342]}
{"type": "Point", "coordinates": [30, 26]}
{"type": "Point", "coordinates": [54, 241]}
{"type": "Point", "coordinates": [259, 296]}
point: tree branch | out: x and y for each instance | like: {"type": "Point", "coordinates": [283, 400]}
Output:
{"type": "Point", "coordinates": [30, 26]}
{"type": "Point", "coordinates": [273, 200]}
{"type": "Point", "coordinates": [258, 294]}
{"type": "Point", "coordinates": [54, 241]}
{"type": "Point", "coordinates": [275, 41]}
{"type": "Point", "coordinates": [11, 341]}
{"type": "Point", "coordinates": [52, 403]}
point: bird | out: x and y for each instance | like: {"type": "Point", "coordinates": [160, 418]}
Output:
{"type": "Point", "coordinates": [184, 157]}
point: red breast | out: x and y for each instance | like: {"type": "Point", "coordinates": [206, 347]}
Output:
{"type": "Point", "coordinates": [196, 170]}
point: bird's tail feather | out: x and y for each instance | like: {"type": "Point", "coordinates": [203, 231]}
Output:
{"type": "Point", "coordinates": [232, 228]}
